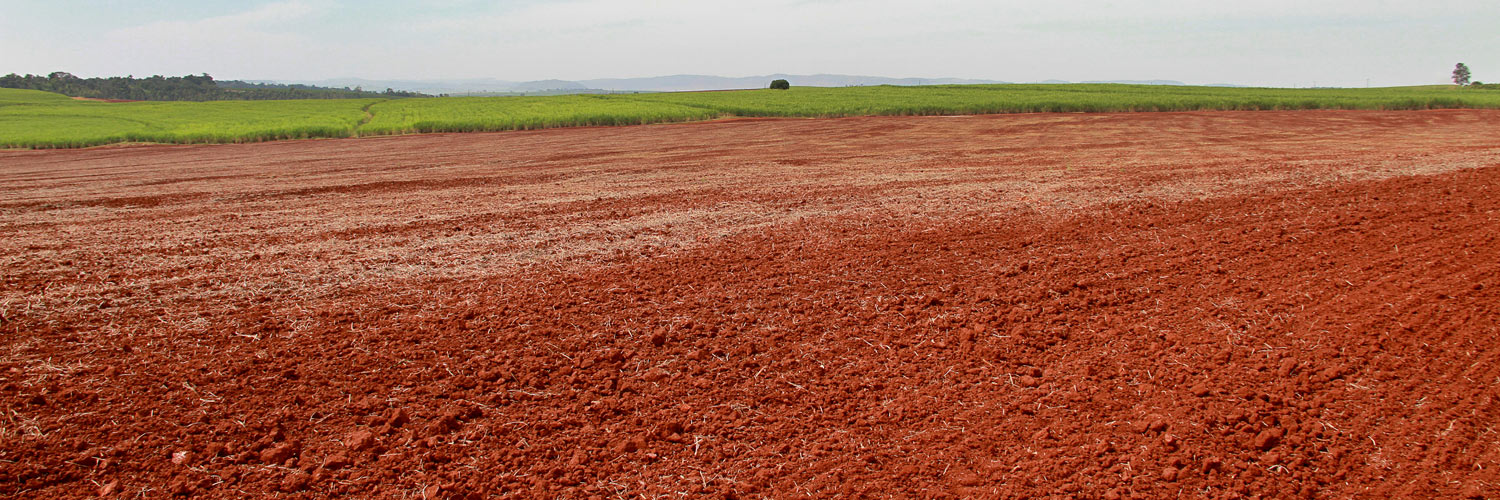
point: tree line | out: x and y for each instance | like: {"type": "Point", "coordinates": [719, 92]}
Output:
{"type": "Point", "coordinates": [183, 88]}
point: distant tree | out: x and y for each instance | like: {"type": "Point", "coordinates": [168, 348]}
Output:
{"type": "Point", "coordinates": [780, 84]}
{"type": "Point", "coordinates": [180, 88]}
{"type": "Point", "coordinates": [1461, 74]}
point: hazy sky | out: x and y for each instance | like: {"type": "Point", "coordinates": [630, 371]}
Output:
{"type": "Point", "coordinates": [1275, 43]}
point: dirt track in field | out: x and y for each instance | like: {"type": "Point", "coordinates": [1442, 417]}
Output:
{"type": "Point", "coordinates": [1091, 306]}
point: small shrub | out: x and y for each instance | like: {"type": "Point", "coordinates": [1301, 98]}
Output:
{"type": "Point", "coordinates": [780, 84]}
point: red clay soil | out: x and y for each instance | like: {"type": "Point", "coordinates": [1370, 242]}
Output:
{"type": "Point", "coordinates": [1220, 305]}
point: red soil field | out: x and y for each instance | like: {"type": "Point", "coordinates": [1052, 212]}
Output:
{"type": "Point", "coordinates": [1219, 305]}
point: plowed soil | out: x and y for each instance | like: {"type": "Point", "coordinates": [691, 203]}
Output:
{"type": "Point", "coordinates": [1220, 305]}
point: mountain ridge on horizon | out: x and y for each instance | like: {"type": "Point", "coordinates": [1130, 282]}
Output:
{"type": "Point", "coordinates": [667, 83]}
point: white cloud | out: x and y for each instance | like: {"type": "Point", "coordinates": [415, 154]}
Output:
{"type": "Point", "coordinates": [267, 39]}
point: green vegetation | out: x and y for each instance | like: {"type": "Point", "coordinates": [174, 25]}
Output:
{"type": "Point", "coordinates": [32, 119]}
{"type": "Point", "coordinates": [35, 119]}
{"type": "Point", "coordinates": [1088, 98]}
{"type": "Point", "coordinates": [779, 84]}
{"type": "Point", "coordinates": [475, 114]}
{"type": "Point", "coordinates": [535, 93]}
{"type": "Point", "coordinates": [182, 88]}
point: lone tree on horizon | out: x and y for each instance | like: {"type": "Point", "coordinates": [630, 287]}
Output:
{"type": "Point", "coordinates": [780, 84]}
{"type": "Point", "coordinates": [1461, 74]}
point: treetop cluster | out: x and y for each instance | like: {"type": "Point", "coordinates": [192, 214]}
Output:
{"type": "Point", "coordinates": [182, 88]}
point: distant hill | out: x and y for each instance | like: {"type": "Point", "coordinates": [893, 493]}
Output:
{"type": "Point", "coordinates": [672, 83]}
{"type": "Point", "coordinates": [1144, 82]}
{"type": "Point", "coordinates": [549, 85]}
{"type": "Point", "coordinates": [422, 86]}
{"type": "Point", "coordinates": [1140, 82]}
{"type": "Point", "coordinates": [707, 82]}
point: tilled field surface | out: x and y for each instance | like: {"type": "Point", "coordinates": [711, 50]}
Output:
{"type": "Point", "coordinates": [1217, 305]}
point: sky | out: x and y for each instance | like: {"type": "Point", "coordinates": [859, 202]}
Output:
{"type": "Point", "coordinates": [1294, 43]}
